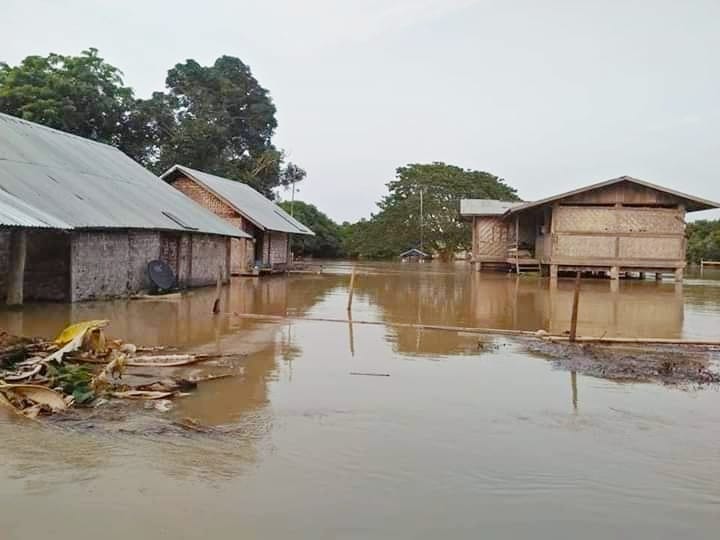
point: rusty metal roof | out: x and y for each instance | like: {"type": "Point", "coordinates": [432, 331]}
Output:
{"type": "Point", "coordinates": [257, 208]}
{"type": "Point", "coordinates": [80, 183]}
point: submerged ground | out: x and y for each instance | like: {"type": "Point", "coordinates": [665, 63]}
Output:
{"type": "Point", "coordinates": [465, 438]}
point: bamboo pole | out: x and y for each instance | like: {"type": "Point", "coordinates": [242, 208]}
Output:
{"type": "Point", "coordinates": [218, 288]}
{"type": "Point", "coordinates": [479, 330]}
{"type": "Point", "coordinates": [575, 305]}
{"type": "Point", "coordinates": [468, 330]}
{"type": "Point", "coordinates": [350, 292]}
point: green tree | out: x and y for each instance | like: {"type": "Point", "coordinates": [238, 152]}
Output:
{"type": "Point", "coordinates": [703, 240]}
{"type": "Point", "coordinates": [225, 121]}
{"type": "Point", "coordinates": [327, 242]}
{"type": "Point", "coordinates": [83, 95]}
{"type": "Point", "coordinates": [397, 225]}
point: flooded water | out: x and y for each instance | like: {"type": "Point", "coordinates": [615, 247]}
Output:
{"type": "Point", "coordinates": [459, 441]}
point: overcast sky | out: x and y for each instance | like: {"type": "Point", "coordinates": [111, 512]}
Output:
{"type": "Point", "coordinates": [549, 95]}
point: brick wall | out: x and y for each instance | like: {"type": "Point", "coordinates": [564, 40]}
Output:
{"type": "Point", "coordinates": [277, 247]}
{"type": "Point", "coordinates": [143, 247]}
{"type": "Point", "coordinates": [209, 252]}
{"type": "Point", "coordinates": [204, 197]}
{"type": "Point", "coordinates": [101, 265]}
{"type": "Point", "coordinates": [242, 251]}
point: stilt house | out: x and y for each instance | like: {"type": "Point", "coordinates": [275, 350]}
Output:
{"type": "Point", "coordinates": [269, 226]}
{"type": "Point", "coordinates": [621, 225]}
{"type": "Point", "coordinates": [80, 220]}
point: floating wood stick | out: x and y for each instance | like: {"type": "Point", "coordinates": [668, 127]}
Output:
{"type": "Point", "coordinates": [350, 292]}
{"type": "Point", "coordinates": [370, 374]}
{"type": "Point", "coordinates": [576, 302]}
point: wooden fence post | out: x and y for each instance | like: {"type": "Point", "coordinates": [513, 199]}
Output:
{"type": "Point", "coordinates": [350, 292]}
{"type": "Point", "coordinates": [575, 305]}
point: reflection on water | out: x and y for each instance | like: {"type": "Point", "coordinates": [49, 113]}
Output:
{"type": "Point", "coordinates": [460, 440]}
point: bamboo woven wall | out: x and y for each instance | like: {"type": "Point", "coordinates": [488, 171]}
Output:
{"type": "Point", "coordinates": [594, 219]}
{"type": "Point", "coordinates": [625, 235]}
{"type": "Point", "coordinates": [490, 237]}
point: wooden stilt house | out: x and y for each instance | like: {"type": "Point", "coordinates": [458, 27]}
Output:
{"type": "Point", "coordinates": [620, 225]}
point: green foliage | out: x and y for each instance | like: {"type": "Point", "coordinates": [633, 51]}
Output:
{"type": "Point", "coordinates": [396, 227]}
{"type": "Point", "coordinates": [74, 380]}
{"type": "Point", "coordinates": [703, 240]}
{"type": "Point", "coordinates": [214, 118]}
{"type": "Point", "coordinates": [327, 242]}
{"type": "Point", "coordinates": [82, 94]}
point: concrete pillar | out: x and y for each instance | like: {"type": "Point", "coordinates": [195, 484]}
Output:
{"type": "Point", "coordinates": [553, 275]}
{"type": "Point", "coordinates": [16, 267]}
{"type": "Point", "coordinates": [679, 273]}
{"type": "Point", "coordinates": [642, 275]}
{"type": "Point", "coordinates": [615, 273]}
{"type": "Point", "coordinates": [658, 276]}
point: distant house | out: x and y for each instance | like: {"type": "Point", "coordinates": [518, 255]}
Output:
{"type": "Point", "coordinates": [620, 225]}
{"type": "Point", "coordinates": [268, 225]}
{"type": "Point", "coordinates": [414, 255]}
{"type": "Point", "coordinates": [80, 220]}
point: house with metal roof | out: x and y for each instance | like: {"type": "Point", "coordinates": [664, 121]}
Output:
{"type": "Point", "coordinates": [622, 225]}
{"type": "Point", "coordinates": [244, 208]}
{"type": "Point", "coordinates": [80, 220]}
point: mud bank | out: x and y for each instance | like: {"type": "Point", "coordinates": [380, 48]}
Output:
{"type": "Point", "coordinates": [663, 364]}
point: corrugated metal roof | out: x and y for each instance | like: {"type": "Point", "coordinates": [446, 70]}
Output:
{"type": "Point", "coordinates": [85, 184]}
{"type": "Point", "coordinates": [16, 213]}
{"type": "Point", "coordinates": [485, 207]}
{"type": "Point", "coordinates": [245, 200]}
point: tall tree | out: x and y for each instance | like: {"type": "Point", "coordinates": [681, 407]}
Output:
{"type": "Point", "coordinates": [422, 208]}
{"type": "Point", "coordinates": [225, 123]}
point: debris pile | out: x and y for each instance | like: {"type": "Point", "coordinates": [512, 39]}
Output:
{"type": "Point", "coordinates": [660, 363]}
{"type": "Point", "coordinates": [81, 367]}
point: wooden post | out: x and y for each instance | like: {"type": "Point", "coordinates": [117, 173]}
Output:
{"type": "Point", "coordinates": [16, 270]}
{"type": "Point", "coordinates": [517, 244]}
{"type": "Point", "coordinates": [576, 302]}
{"type": "Point", "coordinates": [702, 267]}
{"type": "Point", "coordinates": [350, 292]}
{"type": "Point", "coordinates": [218, 288]}
{"type": "Point", "coordinates": [553, 274]}
{"type": "Point", "coordinates": [352, 336]}
{"type": "Point", "coordinates": [573, 385]}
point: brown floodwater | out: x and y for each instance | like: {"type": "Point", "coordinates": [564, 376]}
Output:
{"type": "Point", "coordinates": [459, 441]}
